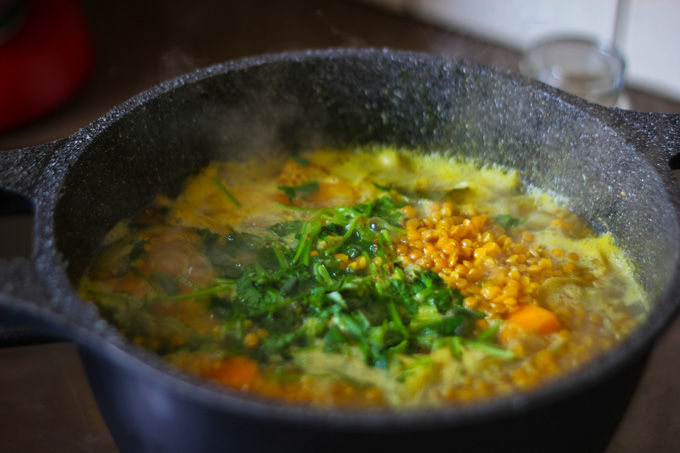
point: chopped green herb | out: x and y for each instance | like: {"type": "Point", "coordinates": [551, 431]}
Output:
{"type": "Point", "coordinates": [305, 190]}
{"type": "Point", "coordinates": [300, 160]}
{"type": "Point", "coordinates": [167, 282]}
{"type": "Point", "coordinates": [283, 229]}
{"type": "Point", "coordinates": [225, 191]}
{"type": "Point", "coordinates": [508, 222]}
{"type": "Point", "coordinates": [381, 187]}
{"type": "Point", "coordinates": [137, 250]}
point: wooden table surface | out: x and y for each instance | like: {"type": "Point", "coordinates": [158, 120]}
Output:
{"type": "Point", "coordinates": [45, 402]}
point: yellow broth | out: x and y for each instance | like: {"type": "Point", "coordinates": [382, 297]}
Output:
{"type": "Point", "coordinates": [365, 278]}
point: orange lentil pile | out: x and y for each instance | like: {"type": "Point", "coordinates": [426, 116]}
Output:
{"type": "Point", "coordinates": [497, 273]}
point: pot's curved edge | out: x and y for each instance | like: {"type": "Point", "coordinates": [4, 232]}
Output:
{"type": "Point", "coordinates": [659, 129]}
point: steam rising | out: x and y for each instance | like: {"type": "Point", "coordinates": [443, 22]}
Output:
{"type": "Point", "coordinates": [176, 62]}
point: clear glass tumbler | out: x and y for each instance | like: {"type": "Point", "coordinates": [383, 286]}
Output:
{"type": "Point", "coordinates": [587, 68]}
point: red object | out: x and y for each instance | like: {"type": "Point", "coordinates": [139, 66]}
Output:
{"type": "Point", "coordinates": [44, 63]}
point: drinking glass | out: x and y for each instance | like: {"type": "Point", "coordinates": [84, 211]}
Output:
{"type": "Point", "coordinates": [588, 68]}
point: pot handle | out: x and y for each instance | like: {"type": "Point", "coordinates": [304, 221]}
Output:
{"type": "Point", "coordinates": [29, 310]}
{"type": "Point", "coordinates": [23, 298]}
{"type": "Point", "coordinates": [656, 135]}
{"type": "Point", "coordinates": [21, 169]}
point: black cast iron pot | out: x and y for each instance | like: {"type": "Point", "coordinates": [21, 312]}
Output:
{"type": "Point", "coordinates": [613, 166]}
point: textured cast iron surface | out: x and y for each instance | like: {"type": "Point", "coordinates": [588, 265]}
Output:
{"type": "Point", "coordinates": [612, 167]}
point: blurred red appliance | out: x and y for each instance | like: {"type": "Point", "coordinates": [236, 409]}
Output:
{"type": "Point", "coordinates": [46, 54]}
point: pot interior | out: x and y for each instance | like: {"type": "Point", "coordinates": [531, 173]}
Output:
{"type": "Point", "coordinates": [345, 98]}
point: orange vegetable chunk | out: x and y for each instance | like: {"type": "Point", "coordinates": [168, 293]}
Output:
{"type": "Point", "coordinates": [535, 319]}
{"type": "Point", "coordinates": [236, 371]}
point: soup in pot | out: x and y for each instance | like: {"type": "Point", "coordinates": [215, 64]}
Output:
{"type": "Point", "coordinates": [366, 278]}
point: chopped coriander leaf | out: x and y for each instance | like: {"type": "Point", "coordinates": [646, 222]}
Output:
{"type": "Point", "coordinates": [218, 288]}
{"type": "Point", "coordinates": [167, 282]}
{"type": "Point", "coordinates": [493, 350]}
{"type": "Point", "coordinates": [386, 209]}
{"type": "Point", "coordinates": [209, 239]}
{"type": "Point", "coordinates": [220, 185]}
{"type": "Point", "coordinates": [489, 334]}
{"type": "Point", "coordinates": [305, 190]}
{"type": "Point", "coordinates": [381, 187]}
{"type": "Point", "coordinates": [300, 160]}
{"type": "Point", "coordinates": [333, 340]}
{"type": "Point", "coordinates": [146, 279]}
{"type": "Point", "coordinates": [284, 229]}
{"type": "Point", "coordinates": [137, 250]}
{"type": "Point", "coordinates": [508, 222]}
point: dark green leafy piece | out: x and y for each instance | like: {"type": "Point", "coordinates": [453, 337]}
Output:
{"type": "Point", "coordinates": [508, 222]}
{"type": "Point", "coordinates": [305, 190]}
{"type": "Point", "coordinates": [387, 209]}
{"type": "Point", "coordinates": [381, 187]}
{"type": "Point", "coordinates": [284, 229]}
{"type": "Point", "coordinates": [137, 250]}
{"type": "Point", "coordinates": [167, 282]}
{"type": "Point", "coordinates": [232, 253]}
{"type": "Point", "coordinates": [300, 160]}
{"type": "Point", "coordinates": [220, 185]}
